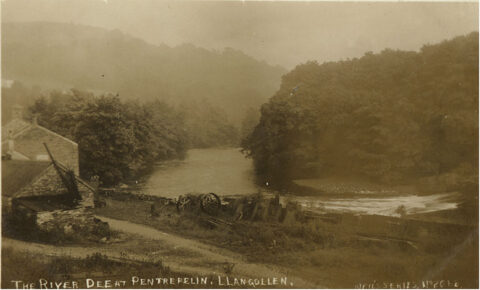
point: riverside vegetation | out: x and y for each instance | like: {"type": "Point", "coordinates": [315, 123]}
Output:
{"type": "Point", "coordinates": [322, 249]}
{"type": "Point", "coordinates": [394, 117]}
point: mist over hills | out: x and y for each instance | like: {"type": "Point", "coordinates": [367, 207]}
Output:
{"type": "Point", "coordinates": [64, 56]}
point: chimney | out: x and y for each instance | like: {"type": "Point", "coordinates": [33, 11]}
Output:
{"type": "Point", "coordinates": [17, 112]}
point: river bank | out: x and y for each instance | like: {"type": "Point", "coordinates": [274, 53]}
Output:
{"type": "Point", "coordinates": [139, 257]}
{"type": "Point", "coordinates": [373, 233]}
{"type": "Point", "coordinates": [367, 247]}
{"type": "Point", "coordinates": [226, 172]}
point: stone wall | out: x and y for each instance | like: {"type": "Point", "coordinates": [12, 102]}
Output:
{"type": "Point", "coordinates": [76, 224]}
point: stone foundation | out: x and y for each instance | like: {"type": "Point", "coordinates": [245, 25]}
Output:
{"type": "Point", "coordinates": [75, 224]}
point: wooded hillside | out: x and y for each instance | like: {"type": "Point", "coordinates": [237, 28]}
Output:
{"type": "Point", "coordinates": [390, 117]}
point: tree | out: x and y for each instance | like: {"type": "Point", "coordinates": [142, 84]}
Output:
{"type": "Point", "coordinates": [117, 140]}
{"type": "Point", "coordinates": [390, 117]}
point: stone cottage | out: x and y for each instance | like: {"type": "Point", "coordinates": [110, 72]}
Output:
{"type": "Point", "coordinates": [22, 140]}
{"type": "Point", "coordinates": [40, 189]}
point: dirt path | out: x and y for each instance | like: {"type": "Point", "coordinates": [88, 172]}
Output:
{"type": "Point", "coordinates": [83, 252]}
{"type": "Point", "coordinates": [215, 257]}
{"type": "Point", "coordinates": [179, 254]}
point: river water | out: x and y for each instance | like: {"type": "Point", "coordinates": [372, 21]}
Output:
{"type": "Point", "coordinates": [226, 171]}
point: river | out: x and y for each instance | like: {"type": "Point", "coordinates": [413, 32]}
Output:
{"type": "Point", "coordinates": [226, 171]}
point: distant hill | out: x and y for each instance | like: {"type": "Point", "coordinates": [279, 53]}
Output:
{"type": "Point", "coordinates": [63, 56]}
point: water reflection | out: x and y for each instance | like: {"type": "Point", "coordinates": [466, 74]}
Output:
{"type": "Point", "coordinates": [226, 171]}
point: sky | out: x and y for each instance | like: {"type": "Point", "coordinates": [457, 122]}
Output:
{"type": "Point", "coordinates": [280, 33]}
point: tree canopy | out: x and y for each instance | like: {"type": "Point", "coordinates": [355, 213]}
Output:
{"type": "Point", "coordinates": [389, 117]}
{"type": "Point", "coordinates": [117, 140]}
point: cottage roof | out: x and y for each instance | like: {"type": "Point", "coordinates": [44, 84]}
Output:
{"type": "Point", "coordinates": [45, 203]}
{"type": "Point", "coordinates": [77, 178]}
{"type": "Point", "coordinates": [14, 127]}
{"type": "Point", "coordinates": [18, 127]}
{"type": "Point", "coordinates": [17, 174]}
{"type": "Point", "coordinates": [26, 140]}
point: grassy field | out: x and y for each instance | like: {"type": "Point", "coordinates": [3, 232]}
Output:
{"type": "Point", "coordinates": [37, 269]}
{"type": "Point", "coordinates": [334, 251]}
{"type": "Point", "coordinates": [30, 267]}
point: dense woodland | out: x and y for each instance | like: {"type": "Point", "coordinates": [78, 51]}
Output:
{"type": "Point", "coordinates": [204, 94]}
{"type": "Point", "coordinates": [117, 140]}
{"type": "Point", "coordinates": [393, 117]}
